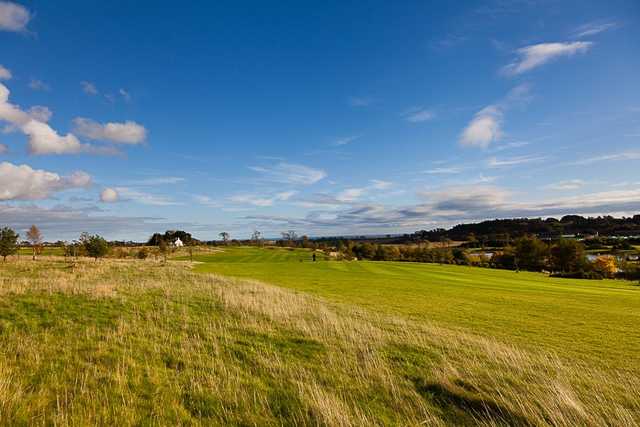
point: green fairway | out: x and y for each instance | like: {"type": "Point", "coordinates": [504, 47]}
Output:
{"type": "Point", "coordinates": [594, 321]}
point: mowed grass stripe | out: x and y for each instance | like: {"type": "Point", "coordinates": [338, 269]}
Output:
{"type": "Point", "coordinates": [588, 320]}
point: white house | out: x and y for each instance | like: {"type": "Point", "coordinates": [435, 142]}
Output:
{"type": "Point", "coordinates": [178, 243]}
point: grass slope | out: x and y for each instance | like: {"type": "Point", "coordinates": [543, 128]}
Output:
{"type": "Point", "coordinates": [595, 321]}
{"type": "Point", "coordinates": [137, 343]}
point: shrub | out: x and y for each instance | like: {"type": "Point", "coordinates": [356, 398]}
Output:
{"type": "Point", "coordinates": [143, 253]}
{"type": "Point", "coordinates": [95, 246]}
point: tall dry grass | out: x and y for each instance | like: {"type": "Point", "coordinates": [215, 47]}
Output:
{"type": "Point", "coordinates": [134, 342]}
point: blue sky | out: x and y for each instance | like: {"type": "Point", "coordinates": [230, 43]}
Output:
{"type": "Point", "coordinates": [124, 118]}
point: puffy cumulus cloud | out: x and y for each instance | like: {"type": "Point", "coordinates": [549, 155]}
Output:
{"type": "Point", "coordinates": [13, 17]}
{"type": "Point", "coordinates": [40, 113]}
{"type": "Point", "coordinates": [89, 88]}
{"type": "Point", "coordinates": [42, 139]}
{"type": "Point", "coordinates": [25, 183]}
{"type": "Point", "coordinates": [484, 128]}
{"type": "Point", "coordinates": [288, 173]}
{"type": "Point", "coordinates": [128, 132]}
{"type": "Point", "coordinates": [5, 73]}
{"type": "Point", "coordinates": [534, 56]}
{"type": "Point", "coordinates": [38, 85]}
{"type": "Point", "coordinates": [109, 195]}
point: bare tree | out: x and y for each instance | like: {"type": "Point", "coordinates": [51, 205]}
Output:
{"type": "Point", "coordinates": [224, 236]}
{"type": "Point", "coordinates": [289, 235]}
{"type": "Point", "coordinates": [256, 237]}
{"type": "Point", "coordinates": [35, 238]}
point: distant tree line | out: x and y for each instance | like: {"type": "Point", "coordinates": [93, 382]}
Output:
{"type": "Point", "coordinates": [501, 232]}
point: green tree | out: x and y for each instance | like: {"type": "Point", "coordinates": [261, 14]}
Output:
{"type": "Point", "coordinates": [530, 253]}
{"type": "Point", "coordinates": [567, 256]}
{"type": "Point", "coordinates": [8, 242]}
{"type": "Point", "coordinates": [95, 246]}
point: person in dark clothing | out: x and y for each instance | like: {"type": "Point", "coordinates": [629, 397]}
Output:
{"type": "Point", "coordinates": [314, 257]}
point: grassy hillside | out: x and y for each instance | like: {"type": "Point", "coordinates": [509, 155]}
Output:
{"type": "Point", "coordinates": [596, 321]}
{"type": "Point", "coordinates": [137, 343]}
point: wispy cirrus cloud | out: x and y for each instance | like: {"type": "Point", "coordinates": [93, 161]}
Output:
{"type": "Point", "coordinates": [451, 170]}
{"type": "Point", "coordinates": [534, 56]}
{"type": "Point", "coordinates": [418, 115]}
{"type": "Point", "coordinates": [346, 140]}
{"type": "Point", "coordinates": [289, 173]}
{"type": "Point", "coordinates": [622, 156]}
{"type": "Point", "coordinates": [486, 125]}
{"type": "Point", "coordinates": [260, 200]}
{"type": "Point", "coordinates": [593, 28]}
{"type": "Point", "coordinates": [360, 101]}
{"type": "Point", "coordinates": [144, 198]}
{"type": "Point", "coordinates": [571, 184]}
{"type": "Point", "coordinates": [495, 162]}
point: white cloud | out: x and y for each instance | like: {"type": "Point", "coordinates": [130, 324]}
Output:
{"type": "Point", "coordinates": [4, 149]}
{"type": "Point", "coordinates": [42, 138]}
{"type": "Point", "coordinates": [162, 180]}
{"type": "Point", "coordinates": [109, 195]}
{"type": "Point", "coordinates": [444, 171]}
{"type": "Point", "coordinates": [5, 73]}
{"type": "Point", "coordinates": [260, 200]}
{"type": "Point", "coordinates": [206, 201]}
{"type": "Point", "coordinates": [24, 183]}
{"type": "Point", "coordinates": [291, 173]}
{"type": "Point", "coordinates": [39, 85]}
{"type": "Point", "coordinates": [125, 95]}
{"type": "Point", "coordinates": [419, 115]}
{"type": "Point", "coordinates": [89, 88]}
{"type": "Point", "coordinates": [40, 113]}
{"type": "Point", "coordinates": [486, 125]}
{"type": "Point", "coordinates": [350, 194]}
{"type": "Point", "coordinates": [130, 194]}
{"type": "Point", "coordinates": [13, 17]}
{"type": "Point", "coordinates": [530, 57]}
{"type": "Point", "coordinates": [484, 128]}
{"type": "Point", "coordinates": [121, 133]}
{"type": "Point", "coordinates": [513, 161]}
{"type": "Point", "coordinates": [572, 184]}
{"type": "Point", "coordinates": [626, 155]}
{"type": "Point", "coordinates": [346, 140]}
{"type": "Point", "coordinates": [378, 184]}
{"type": "Point", "coordinates": [593, 28]}
{"type": "Point", "coordinates": [357, 101]}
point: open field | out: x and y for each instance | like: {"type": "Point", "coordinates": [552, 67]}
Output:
{"type": "Point", "coordinates": [596, 321]}
{"type": "Point", "coordinates": [135, 342]}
